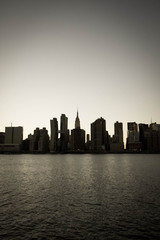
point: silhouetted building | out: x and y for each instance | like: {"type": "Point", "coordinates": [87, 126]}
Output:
{"type": "Point", "coordinates": [77, 137]}
{"type": "Point", "coordinates": [133, 142]}
{"type": "Point", "coordinates": [43, 143]}
{"type": "Point", "coordinates": [77, 140]}
{"type": "Point", "coordinates": [118, 131]}
{"type": "Point", "coordinates": [54, 135]}
{"type": "Point", "coordinates": [155, 126]}
{"type": "Point", "coordinates": [64, 133]}
{"type": "Point", "coordinates": [99, 136]}
{"type": "Point", "coordinates": [142, 129]}
{"type": "Point", "coordinates": [13, 135]}
{"type": "Point", "coordinates": [152, 140]}
{"type": "Point", "coordinates": [33, 146]}
{"type": "Point", "coordinates": [88, 144]}
{"type": "Point", "coordinates": [39, 141]}
{"type": "Point", "coordinates": [13, 140]}
{"type": "Point", "coordinates": [2, 137]}
{"type": "Point", "coordinates": [25, 145]}
{"type": "Point", "coordinates": [77, 122]}
{"type": "Point", "coordinates": [116, 144]}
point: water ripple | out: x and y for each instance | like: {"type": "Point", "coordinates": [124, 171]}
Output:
{"type": "Point", "coordinates": [79, 197]}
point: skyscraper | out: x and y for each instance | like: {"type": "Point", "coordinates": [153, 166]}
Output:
{"type": "Point", "coordinates": [77, 137]}
{"type": "Point", "coordinates": [118, 131]}
{"type": "Point", "coordinates": [77, 122]}
{"type": "Point", "coordinates": [34, 139]}
{"type": "Point", "coordinates": [13, 135]}
{"type": "Point", "coordinates": [64, 133]}
{"type": "Point", "coordinates": [99, 136]}
{"type": "Point", "coordinates": [142, 129]}
{"type": "Point", "coordinates": [54, 135]}
{"type": "Point", "coordinates": [43, 143]}
{"type": "Point", "coordinates": [116, 144]}
{"type": "Point", "coordinates": [133, 143]}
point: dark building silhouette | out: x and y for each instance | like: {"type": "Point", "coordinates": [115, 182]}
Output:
{"type": "Point", "coordinates": [54, 135]}
{"type": "Point", "coordinates": [133, 142]}
{"type": "Point", "coordinates": [39, 141]}
{"type": "Point", "coordinates": [152, 138]}
{"type": "Point", "coordinates": [25, 145]}
{"type": "Point", "coordinates": [77, 137]}
{"type": "Point", "coordinates": [118, 130]}
{"type": "Point", "coordinates": [88, 144]}
{"type": "Point", "coordinates": [77, 122]}
{"type": "Point", "coordinates": [34, 139]}
{"type": "Point", "coordinates": [116, 142]}
{"type": "Point", "coordinates": [13, 135]}
{"type": "Point", "coordinates": [43, 143]}
{"type": "Point", "coordinates": [64, 133]}
{"type": "Point", "coordinates": [2, 137]}
{"type": "Point", "coordinates": [33, 146]}
{"type": "Point", "coordinates": [142, 129]}
{"type": "Point", "coordinates": [12, 139]}
{"type": "Point", "coordinates": [99, 136]}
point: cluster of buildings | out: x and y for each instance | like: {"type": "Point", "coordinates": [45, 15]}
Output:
{"type": "Point", "coordinates": [140, 138]}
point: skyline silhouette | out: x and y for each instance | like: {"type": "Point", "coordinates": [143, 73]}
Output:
{"type": "Point", "coordinates": [141, 137]}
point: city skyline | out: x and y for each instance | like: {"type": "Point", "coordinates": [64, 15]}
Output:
{"type": "Point", "coordinates": [102, 57]}
{"type": "Point", "coordinates": [62, 125]}
{"type": "Point", "coordinates": [140, 138]}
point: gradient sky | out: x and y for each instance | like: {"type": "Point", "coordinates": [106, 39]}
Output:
{"type": "Point", "coordinates": [102, 57]}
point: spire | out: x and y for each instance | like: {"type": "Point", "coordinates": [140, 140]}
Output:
{"type": "Point", "coordinates": [77, 121]}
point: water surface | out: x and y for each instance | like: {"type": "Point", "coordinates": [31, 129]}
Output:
{"type": "Point", "coordinates": [80, 196]}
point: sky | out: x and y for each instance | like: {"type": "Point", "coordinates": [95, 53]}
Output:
{"type": "Point", "coordinates": [98, 56]}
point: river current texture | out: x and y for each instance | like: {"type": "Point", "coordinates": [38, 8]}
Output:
{"type": "Point", "coordinates": [80, 196]}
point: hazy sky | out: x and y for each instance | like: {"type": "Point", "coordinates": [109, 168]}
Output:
{"type": "Point", "coordinates": [102, 57]}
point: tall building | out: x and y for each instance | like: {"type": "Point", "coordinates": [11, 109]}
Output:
{"type": "Point", "coordinates": [118, 131]}
{"type": "Point", "coordinates": [43, 143]}
{"type": "Point", "coordinates": [34, 139]}
{"type": "Point", "coordinates": [13, 135]}
{"type": "Point", "coordinates": [152, 138]}
{"type": "Point", "coordinates": [77, 122]}
{"type": "Point", "coordinates": [155, 126]}
{"type": "Point", "coordinates": [64, 133]}
{"type": "Point", "coordinates": [142, 129]}
{"type": "Point", "coordinates": [116, 144]}
{"type": "Point", "coordinates": [77, 137]}
{"type": "Point", "coordinates": [133, 142]}
{"type": "Point", "coordinates": [2, 137]}
{"type": "Point", "coordinates": [54, 135]}
{"type": "Point", "coordinates": [99, 136]}
{"type": "Point", "coordinates": [12, 140]}
{"type": "Point", "coordinates": [39, 141]}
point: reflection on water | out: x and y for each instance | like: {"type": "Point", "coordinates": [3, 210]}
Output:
{"type": "Point", "coordinates": [79, 196]}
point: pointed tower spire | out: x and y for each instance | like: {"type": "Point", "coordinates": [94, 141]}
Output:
{"type": "Point", "coordinates": [77, 121]}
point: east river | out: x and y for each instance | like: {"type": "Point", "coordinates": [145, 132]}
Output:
{"type": "Point", "coordinates": [81, 196]}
